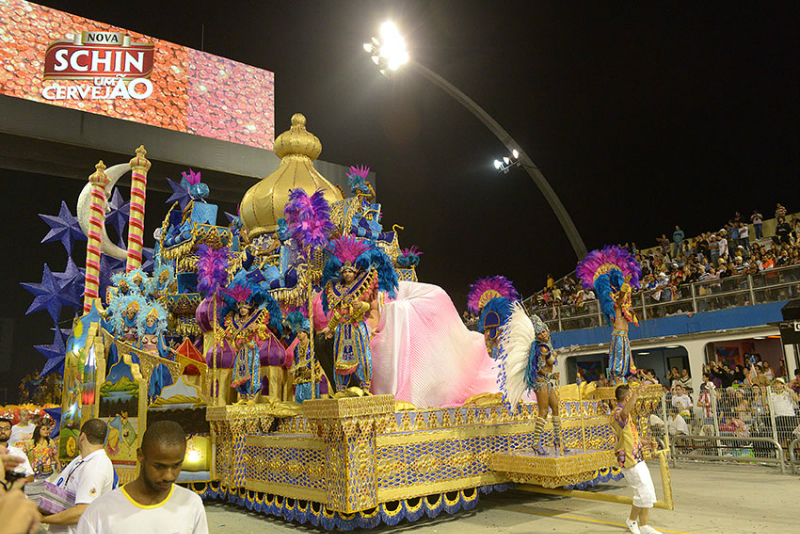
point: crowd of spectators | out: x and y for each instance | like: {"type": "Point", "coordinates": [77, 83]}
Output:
{"type": "Point", "coordinates": [666, 268]}
{"type": "Point", "coordinates": [748, 400]}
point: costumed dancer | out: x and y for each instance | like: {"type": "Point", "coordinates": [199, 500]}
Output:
{"type": "Point", "coordinates": [162, 279]}
{"type": "Point", "coordinates": [351, 279]}
{"type": "Point", "coordinates": [152, 324]}
{"type": "Point", "coordinates": [491, 298]}
{"type": "Point", "coordinates": [527, 361]}
{"type": "Point", "coordinates": [611, 272]}
{"type": "Point", "coordinates": [125, 313]}
{"type": "Point", "coordinates": [248, 313]}
{"type": "Point", "coordinates": [139, 281]}
{"type": "Point", "coordinates": [304, 364]}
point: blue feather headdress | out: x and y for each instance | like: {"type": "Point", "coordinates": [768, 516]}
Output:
{"type": "Point", "coordinates": [297, 322]}
{"type": "Point", "coordinates": [605, 271]}
{"type": "Point", "coordinates": [156, 310]}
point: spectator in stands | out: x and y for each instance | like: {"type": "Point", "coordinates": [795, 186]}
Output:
{"type": "Point", "coordinates": [664, 242]}
{"type": "Point", "coordinates": [758, 220]}
{"type": "Point", "coordinates": [713, 247]}
{"type": "Point", "coordinates": [782, 232]}
{"type": "Point", "coordinates": [24, 466]}
{"type": "Point", "coordinates": [768, 371]}
{"type": "Point", "coordinates": [550, 281]}
{"type": "Point", "coordinates": [738, 375]}
{"type": "Point", "coordinates": [22, 431]}
{"type": "Point", "coordinates": [677, 240]}
{"type": "Point", "coordinates": [722, 243]}
{"type": "Point", "coordinates": [744, 236]}
{"type": "Point", "coordinates": [88, 476]}
{"type": "Point", "coordinates": [685, 381]}
{"type": "Point", "coordinates": [780, 211]}
{"type": "Point", "coordinates": [795, 384]}
{"type": "Point", "coordinates": [682, 401]}
{"type": "Point", "coordinates": [785, 414]}
{"type": "Point", "coordinates": [152, 502]}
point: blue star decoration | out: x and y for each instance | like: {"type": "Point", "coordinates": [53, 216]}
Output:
{"type": "Point", "coordinates": [55, 353]}
{"type": "Point", "coordinates": [118, 213]}
{"type": "Point", "coordinates": [148, 261]}
{"type": "Point", "coordinates": [71, 283]}
{"type": "Point", "coordinates": [46, 294]}
{"type": "Point", "coordinates": [64, 228]}
{"type": "Point", "coordinates": [179, 194]}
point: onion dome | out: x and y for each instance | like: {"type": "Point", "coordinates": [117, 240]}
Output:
{"type": "Point", "coordinates": [263, 204]}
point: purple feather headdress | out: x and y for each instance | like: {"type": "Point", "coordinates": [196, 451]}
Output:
{"type": "Point", "coordinates": [239, 293]}
{"type": "Point", "coordinates": [309, 218]}
{"type": "Point", "coordinates": [212, 273]}
{"type": "Point", "coordinates": [412, 251]}
{"type": "Point", "coordinates": [488, 288]}
{"type": "Point", "coordinates": [599, 262]}
{"type": "Point", "coordinates": [347, 249]}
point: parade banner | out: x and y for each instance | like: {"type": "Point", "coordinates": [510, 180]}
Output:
{"type": "Point", "coordinates": [61, 59]}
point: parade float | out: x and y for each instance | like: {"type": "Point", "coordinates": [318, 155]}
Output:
{"type": "Point", "coordinates": [255, 336]}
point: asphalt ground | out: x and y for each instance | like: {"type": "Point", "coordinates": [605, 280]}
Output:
{"type": "Point", "coordinates": [709, 498]}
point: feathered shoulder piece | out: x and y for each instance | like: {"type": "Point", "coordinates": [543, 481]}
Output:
{"type": "Point", "coordinates": [609, 258]}
{"type": "Point", "coordinates": [374, 258]}
{"type": "Point", "coordinates": [517, 348]}
{"type": "Point", "coordinates": [494, 315]}
{"type": "Point", "coordinates": [485, 289]}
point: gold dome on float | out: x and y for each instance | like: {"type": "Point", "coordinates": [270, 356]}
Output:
{"type": "Point", "coordinates": [263, 204]}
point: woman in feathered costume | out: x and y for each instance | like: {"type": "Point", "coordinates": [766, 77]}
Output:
{"type": "Point", "coordinates": [611, 272]}
{"type": "Point", "coordinates": [152, 323]}
{"type": "Point", "coordinates": [527, 363]}
{"type": "Point", "coordinates": [351, 279]}
{"type": "Point", "coordinates": [491, 298]}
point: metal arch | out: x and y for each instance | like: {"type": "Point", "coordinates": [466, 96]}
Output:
{"type": "Point", "coordinates": [525, 161]}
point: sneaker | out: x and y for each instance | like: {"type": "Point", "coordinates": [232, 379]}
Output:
{"type": "Point", "coordinates": [633, 526]}
{"type": "Point", "coordinates": [647, 529]}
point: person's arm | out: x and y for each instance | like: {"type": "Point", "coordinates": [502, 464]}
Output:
{"type": "Point", "coordinates": [628, 408]}
{"type": "Point", "coordinates": [18, 514]}
{"type": "Point", "coordinates": [70, 516]}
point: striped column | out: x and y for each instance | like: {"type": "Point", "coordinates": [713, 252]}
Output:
{"type": "Point", "coordinates": [139, 167]}
{"type": "Point", "coordinates": [97, 218]}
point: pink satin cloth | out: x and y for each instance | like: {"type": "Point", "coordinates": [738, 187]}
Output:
{"type": "Point", "coordinates": [423, 354]}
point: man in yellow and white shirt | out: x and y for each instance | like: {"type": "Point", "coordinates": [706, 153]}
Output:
{"type": "Point", "coordinates": [152, 503]}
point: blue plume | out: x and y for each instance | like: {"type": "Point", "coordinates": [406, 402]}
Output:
{"type": "Point", "coordinates": [500, 305]}
{"type": "Point", "coordinates": [531, 368]}
{"type": "Point", "coordinates": [387, 276]}
{"type": "Point", "coordinates": [604, 286]}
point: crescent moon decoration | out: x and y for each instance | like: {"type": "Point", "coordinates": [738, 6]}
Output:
{"type": "Point", "coordinates": [84, 200]}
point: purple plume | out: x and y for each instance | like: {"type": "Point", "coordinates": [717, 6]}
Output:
{"type": "Point", "coordinates": [309, 218]}
{"type": "Point", "coordinates": [485, 289]}
{"type": "Point", "coordinates": [413, 251]}
{"type": "Point", "coordinates": [212, 273]}
{"type": "Point", "coordinates": [361, 170]}
{"type": "Point", "coordinates": [612, 257]}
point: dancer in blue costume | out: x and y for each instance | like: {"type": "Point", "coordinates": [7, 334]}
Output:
{"type": "Point", "coordinates": [612, 272]}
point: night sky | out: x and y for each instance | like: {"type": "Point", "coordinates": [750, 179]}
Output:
{"type": "Point", "coordinates": [641, 116]}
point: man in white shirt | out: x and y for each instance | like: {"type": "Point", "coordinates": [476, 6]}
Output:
{"type": "Point", "coordinates": [676, 424]}
{"type": "Point", "coordinates": [152, 502]}
{"type": "Point", "coordinates": [22, 431]}
{"type": "Point", "coordinates": [682, 401]}
{"type": "Point", "coordinates": [88, 476]}
{"type": "Point", "coordinates": [24, 467]}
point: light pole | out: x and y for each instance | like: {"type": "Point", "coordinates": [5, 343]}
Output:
{"type": "Point", "coordinates": [389, 54]}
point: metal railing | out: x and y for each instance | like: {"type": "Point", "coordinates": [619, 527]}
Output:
{"type": "Point", "coordinates": [696, 442]}
{"type": "Point", "coordinates": [792, 458]}
{"type": "Point", "coordinates": [736, 291]}
{"type": "Point", "coordinates": [731, 425]}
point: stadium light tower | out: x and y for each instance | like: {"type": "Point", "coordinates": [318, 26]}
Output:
{"type": "Point", "coordinates": [389, 53]}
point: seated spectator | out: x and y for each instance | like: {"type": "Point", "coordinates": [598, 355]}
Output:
{"type": "Point", "coordinates": [768, 371]}
{"type": "Point", "coordinates": [152, 502]}
{"type": "Point", "coordinates": [683, 403]}
{"type": "Point", "coordinates": [676, 424]}
{"type": "Point", "coordinates": [88, 476]}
